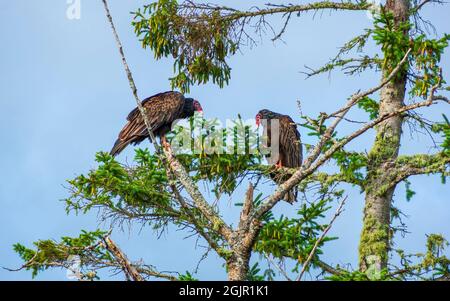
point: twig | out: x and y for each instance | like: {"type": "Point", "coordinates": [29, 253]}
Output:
{"type": "Point", "coordinates": [420, 5]}
{"type": "Point", "coordinates": [279, 268]}
{"type": "Point", "coordinates": [213, 244]}
{"type": "Point", "coordinates": [316, 245]}
{"type": "Point", "coordinates": [282, 29]}
{"type": "Point", "coordinates": [443, 98]}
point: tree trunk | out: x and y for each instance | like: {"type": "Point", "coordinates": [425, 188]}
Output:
{"type": "Point", "coordinates": [238, 266]}
{"type": "Point", "coordinates": [375, 236]}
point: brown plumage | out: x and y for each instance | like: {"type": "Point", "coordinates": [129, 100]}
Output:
{"type": "Point", "coordinates": [162, 109]}
{"type": "Point", "coordinates": [290, 147]}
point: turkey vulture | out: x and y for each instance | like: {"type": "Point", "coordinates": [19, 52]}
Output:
{"type": "Point", "coordinates": [290, 148]}
{"type": "Point", "coordinates": [162, 109]}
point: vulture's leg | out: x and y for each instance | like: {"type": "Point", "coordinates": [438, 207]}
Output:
{"type": "Point", "coordinates": [278, 164]}
{"type": "Point", "coordinates": [164, 142]}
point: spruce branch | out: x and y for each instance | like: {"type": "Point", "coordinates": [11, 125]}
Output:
{"type": "Point", "coordinates": [322, 236]}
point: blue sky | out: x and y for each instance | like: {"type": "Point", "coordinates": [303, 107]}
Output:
{"type": "Point", "coordinates": [64, 96]}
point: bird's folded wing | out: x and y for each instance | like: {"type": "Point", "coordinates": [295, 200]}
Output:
{"type": "Point", "coordinates": [290, 142]}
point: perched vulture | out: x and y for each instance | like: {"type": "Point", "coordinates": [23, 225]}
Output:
{"type": "Point", "coordinates": [162, 109]}
{"type": "Point", "coordinates": [290, 148]}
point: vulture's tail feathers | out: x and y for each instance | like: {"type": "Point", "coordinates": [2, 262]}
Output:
{"type": "Point", "coordinates": [120, 144]}
{"type": "Point", "coordinates": [291, 196]}
{"type": "Point", "coordinates": [118, 147]}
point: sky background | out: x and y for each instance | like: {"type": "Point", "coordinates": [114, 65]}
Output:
{"type": "Point", "coordinates": [64, 96]}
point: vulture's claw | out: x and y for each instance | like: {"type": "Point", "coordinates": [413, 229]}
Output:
{"type": "Point", "coordinates": [278, 164]}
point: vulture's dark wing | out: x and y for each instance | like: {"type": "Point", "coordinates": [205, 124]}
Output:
{"type": "Point", "coordinates": [290, 146]}
{"type": "Point", "coordinates": [161, 109]}
{"type": "Point", "coordinates": [157, 98]}
{"type": "Point", "coordinates": [290, 150]}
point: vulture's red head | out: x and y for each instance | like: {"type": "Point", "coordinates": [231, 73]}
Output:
{"type": "Point", "coordinates": [263, 114]}
{"type": "Point", "coordinates": [258, 119]}
{"type": "Point", "coordinates": [190, 107]}
{"type": "Point", "coordinates": [197, 106]}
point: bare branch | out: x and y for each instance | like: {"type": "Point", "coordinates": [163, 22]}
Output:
{"type": "Point", "coordinates": [327, 268]}
{"type": "Point", "coordinates": [279, 268]}
{"type": "Point", "coordinates": [443, 98]}
{"type": "Point", "coordinates": [129, 270]}
{"type": "Point", "coordinates": [233, 14]}
{"type": "Point", "coordinates": [421, 4]}
{"type": "Point", "coordinates": [152, 273]}
{"type": "Point", "coordinates": [288, 18]}
{"type": "Point", "coordinates": [130, 78]}
{"type": "Point", "coordinates": [196, 195]}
